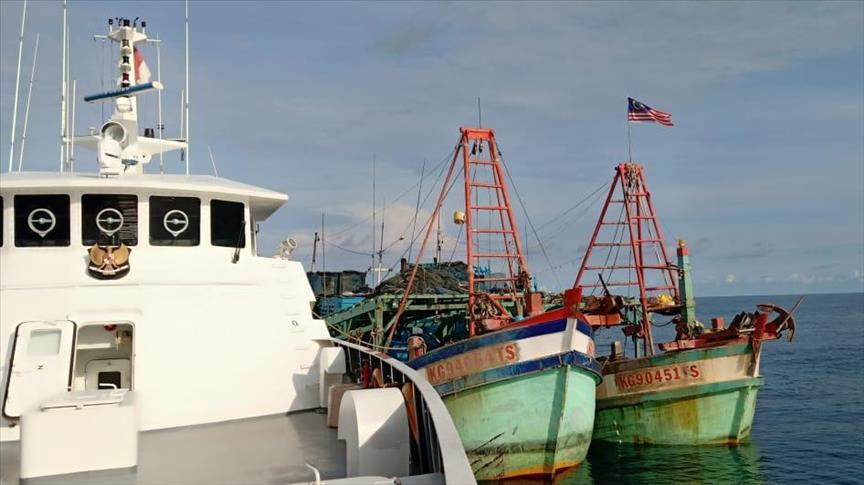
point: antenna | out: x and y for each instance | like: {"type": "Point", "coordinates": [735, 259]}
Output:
{"type": "Point", "coordinates": [159, 124]}
{"type": "Point", "coordinates": [374, 201]}
{"type": "Point", "coordinates": [17, 84]}
{"type": "Point", "coordinates": [323, 256]}
{"type": "Point", "coordinates": [102, 64]}
{"type": "Point", "coordinates": [63, 95]}
{"type": "Point", "coordinates": [27, 109]}
{"type": "Point", "coordinates": [72, 129]}
{"type": "Point", "coordinates": [186, 105]}
{"type": "Point", "coordinates": [314, 250]}
{"type": "Point", "coordinates": [380, 268]}
{"type": "Point", "coordinates": [438, 240]}
{"type": "Point", "coordinates": [182, 114]}
{"type": "Point", "coordinates": [212, 162]}
{"type": "Point", "coordinates": [68, 87]}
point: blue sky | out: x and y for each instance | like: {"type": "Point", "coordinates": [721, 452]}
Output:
{"type": "Point", "coordinates": [763, 173]}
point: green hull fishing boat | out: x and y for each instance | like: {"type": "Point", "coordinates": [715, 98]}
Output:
{"type": "Point", "coordinates": [692, 397]}
{"type": "Point", "coordinates": [545, 434]}
{"type": "Point", "coordinates": [520, 386]}
{"type": "Point", "coordinates": [699, 389]}
{"type": "Point", "coordinates": [531, 416]}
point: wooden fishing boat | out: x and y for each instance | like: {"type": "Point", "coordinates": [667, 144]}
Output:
{"type": "Point", "coordinates": [521, 386]}
{"type": "Point", "coordinates": [700, 388]}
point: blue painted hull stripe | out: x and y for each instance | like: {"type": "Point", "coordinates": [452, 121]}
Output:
{"type": "Point", "coordinates": [502, 336]}
{"type": "Point", "coordinates": [571, 358]}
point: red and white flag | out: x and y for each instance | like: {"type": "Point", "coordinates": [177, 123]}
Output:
{"type": "Point", "coordinates": [142, 72]}
{"type": "Point", "coordinates": [640, 112]}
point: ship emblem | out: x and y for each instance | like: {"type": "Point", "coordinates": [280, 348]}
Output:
{"type": "Point", "coordinates": [108, 262]}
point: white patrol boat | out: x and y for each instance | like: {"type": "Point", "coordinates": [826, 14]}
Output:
{"type": "Point", "coordinates": [134, 301]}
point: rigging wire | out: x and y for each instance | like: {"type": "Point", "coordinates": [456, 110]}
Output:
{"type": "Point", "coordinates": [573, 207]}
{"type": "Point", "coordinates": [401, 237]}
{"type": "Point", "coordinates": [417, 208]}
{"type": "Point", "coordinates": [440, 165]}
{"type": "Point", "coordinates": [564, 226]}
{"type": "Point", "coordinates": [347, 250]}
{"type": "Point", "coordinates": [456, 244]}
{"type": "Point", "coordinates": [616, 239]}
{"type": "Point", "coordinates": [660, 260]}
{"type": "Point", "coordinates": [527, 217]}
{"type": "Point", "coordinates": [430, 221]}
{"type": "Point", "coordinates": [413, 222]}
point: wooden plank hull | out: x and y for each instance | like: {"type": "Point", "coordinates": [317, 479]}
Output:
{"type": "Point", "coordinates": [693, 397]}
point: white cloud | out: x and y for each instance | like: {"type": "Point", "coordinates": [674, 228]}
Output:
{"type": "Point", "coordinates": [731, 278]}
{"type": "Point", "coordinates": [810, 279]}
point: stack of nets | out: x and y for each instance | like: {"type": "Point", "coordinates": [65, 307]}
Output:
{"type": "Point", "coordinates": [436, 279]}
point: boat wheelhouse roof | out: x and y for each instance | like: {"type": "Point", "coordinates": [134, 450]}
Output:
{"type": "Point", "coordinates": [262, 202]}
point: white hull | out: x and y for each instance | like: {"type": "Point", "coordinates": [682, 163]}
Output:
{"type": "Point", "coordinates": [209, 345]}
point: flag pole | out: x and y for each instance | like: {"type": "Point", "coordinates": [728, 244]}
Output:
{"type": "Point", "coordinates": [629, 143]}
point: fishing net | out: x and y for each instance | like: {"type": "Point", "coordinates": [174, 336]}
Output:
{"type": "Point", "coordinates": [436, 279]}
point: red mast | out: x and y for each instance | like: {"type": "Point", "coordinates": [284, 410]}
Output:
{"type": "Point", "coordinates": [637, 231]}
{"type": "Point", "coordinates": [496, 242]}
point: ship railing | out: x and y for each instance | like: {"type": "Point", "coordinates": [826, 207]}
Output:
{"type": "Point", "coordinates": [439, 448]}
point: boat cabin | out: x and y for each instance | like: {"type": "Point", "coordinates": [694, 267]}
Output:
{"type": "Point", "coordinates": [86, 259]}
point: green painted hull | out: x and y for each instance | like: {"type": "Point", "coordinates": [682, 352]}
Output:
{"type": "Point", "coordinates": [710, 414]}
{"type": "Point", "coordinates": [537, 424]}
{"type": "Point", "coordinates": [717, 411]}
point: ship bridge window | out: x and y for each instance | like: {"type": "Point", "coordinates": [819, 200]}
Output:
{"type": "Point", "coordinates": [227, 224]}
{"type": "Point", "coordinates": [109, 219]}
{"type": "Point", "coordinates": [42, 220]}
{"type": "Point", "coordinates": [175, 221]}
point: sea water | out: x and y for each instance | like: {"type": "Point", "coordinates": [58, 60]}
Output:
{"type": "Point", "coordinates": [809, 424]}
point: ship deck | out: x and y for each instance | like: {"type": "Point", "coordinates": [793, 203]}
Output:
{"type": "Point", "coordinates": [271, 449]}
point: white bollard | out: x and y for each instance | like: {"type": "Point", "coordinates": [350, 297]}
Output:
{"type": "Point", "coordinates": [374, 425]}
{"type": "Point", "coordinates": [331, 368]}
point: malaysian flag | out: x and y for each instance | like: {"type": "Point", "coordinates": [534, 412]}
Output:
{"type": "Point", "coordinates": [637, 111]}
